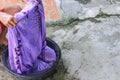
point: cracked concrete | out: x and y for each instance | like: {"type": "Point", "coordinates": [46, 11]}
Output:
{"type": "Point", "coordinates": [88, 35]}
{"type": "Point", "coordinates": [90, 50]}
{"type": "Point", "coordinates": [74, 9]}
{"type": "Point", "coordinates": [90, 43]}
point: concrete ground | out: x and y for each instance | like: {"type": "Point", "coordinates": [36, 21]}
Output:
{"type": "Point", "coordinates": [88, 35]}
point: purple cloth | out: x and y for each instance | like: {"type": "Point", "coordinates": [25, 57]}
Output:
{"type": "Point", "coordinates": [27, 41]}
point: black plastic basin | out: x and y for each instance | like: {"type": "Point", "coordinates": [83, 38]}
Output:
{"type": "Point", "coordinates": [42, 74]}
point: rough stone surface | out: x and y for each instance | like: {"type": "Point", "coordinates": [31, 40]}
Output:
{"type": "Point", "coordinates": [73, 8]}
{"type": "Point", "coordinates": [90, 50]}
{"type": "Point", "coordinates": [70, 7]}
{"type": "Point", "coordinates": [90, 47]}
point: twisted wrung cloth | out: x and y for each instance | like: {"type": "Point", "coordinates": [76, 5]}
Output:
{"type": "Point", "coordinates": [28, 51]}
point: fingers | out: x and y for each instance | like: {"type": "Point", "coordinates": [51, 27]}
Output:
{"type": "Point", "coordinates": [15, 21]}
{"type": "Point", "coordinates": [9, 25]}
{"type": "Point", "coordinates": [8, 20]}
{"type": "Point", "coordinates": [12, 22]}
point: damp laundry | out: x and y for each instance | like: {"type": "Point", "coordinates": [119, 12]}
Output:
{"type": "Point", "coordinates": [28, 52]}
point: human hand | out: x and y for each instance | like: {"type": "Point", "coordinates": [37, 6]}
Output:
{"type": "Point", "coordinates": [8, 20]}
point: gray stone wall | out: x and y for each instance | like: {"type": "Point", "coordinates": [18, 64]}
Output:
{"type": "Point", "coordinates": [87, 8]}
{"type": "Point", "coordinates": [88, 35]}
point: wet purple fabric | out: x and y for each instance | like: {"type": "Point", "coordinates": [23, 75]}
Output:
{"type": "Point", "coordinates": [27, 41]}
